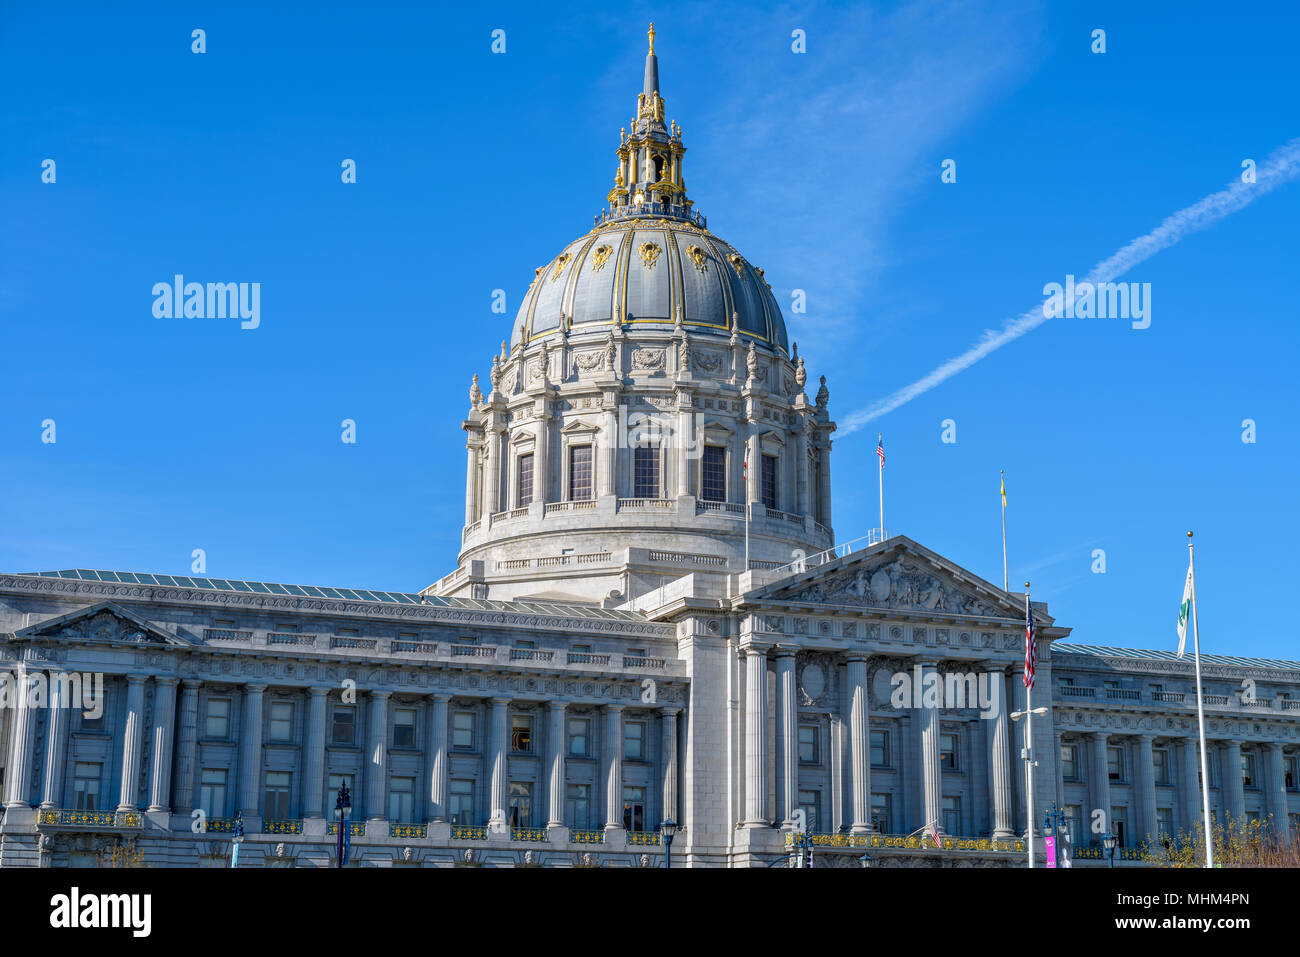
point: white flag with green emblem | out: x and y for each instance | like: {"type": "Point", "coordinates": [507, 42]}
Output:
{"type": "Point", "coordinates": [1184, 611]}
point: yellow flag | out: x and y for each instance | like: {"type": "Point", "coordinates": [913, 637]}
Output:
{"type": "Point", "coordinates": [1004, 491]}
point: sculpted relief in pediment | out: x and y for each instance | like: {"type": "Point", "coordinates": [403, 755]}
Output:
{"type": "Point", "coordinates": [900, 583]}
{"type": "Point", "coordinates": [102, 626]}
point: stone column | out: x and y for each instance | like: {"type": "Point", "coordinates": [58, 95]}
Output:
{"type": "Point", "coordinates": [494, 465]}
{"type": "Point", "coordinates": [824, 480]}
{"type": "Point", "coordinates": [613, 766]}
{"type": "Point", "coordinates": [669, 751]}
{"type": "Point", "coordinates": [185, 751]}
{"type": "Point", "coordinates": [1101, 781]}
{"type": "Point", "coordinates": [931, 768]}
{"type": "Point", "coordinates": [859, 744]}
{"type": "Point", "coordinates": [437, 756]}
{"type": "Point", "coordinates": [313, 785]}
{"type": "Point", "coordinates": [608, 483]}
{"type": "Point", "coordinates": [471, 483]}
{"type": "Point", "coordinates": [377, 760]}
{"type": "Point", "coordinates": [801, 472]}
{"type": "Point", "coordinates": [497, 759]}
{"type": "Point", "coordinates": [787, 758]}
{"type": "Point", "coordinates": [56, 734]}
{"type": "Point", "coordinates": [541, 458]}
{"type": "Point", "coordinates": [18, 769]}
{"type": "Point", "coordinates": [556, 742]}
{"type": "Point", "coordinates": [164, 715]}
{"type": "Point", "coordinates": [1146, 772]}
{"type": "Point", "coordinates": [1233, 788]}
{"type": "Point", "coordinates": [1000, 791]}
{"type": "Point", "coordinates": [755, 733]}
{"type": "Point", "coordinates": [684, 437]}
{"type": "Point", "coordinates": [754, 455]}
{"type": "Point", "coordinates": [1277, 804]}
{"type": "Point", "coordinates": [250, 751]}
{"type": "Point", "coordinates": [1189, 766]}
{"type": "Point", "coordinates": [132, 735]}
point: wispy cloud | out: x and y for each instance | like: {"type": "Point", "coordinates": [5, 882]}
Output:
{"type": "Point", "coordinates": [1281, 166]}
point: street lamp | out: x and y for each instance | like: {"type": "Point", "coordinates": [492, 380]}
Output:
{"type": "Point", "coordinates": [1052, 822]}
{"type": "Point", "coordinates": [237, 839]}
{"type": "Point", "coordinates": [864, 861]}
{"type": "Point", "coordinates": [343, 807]}
{"type": "Point", "coordinates": [1027, 754]}
{"type": "Point", "coordinates": [1109, 841]}
{"type": "Point", "coordinates": [669, 830]}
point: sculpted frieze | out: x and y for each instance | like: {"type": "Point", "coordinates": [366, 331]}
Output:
{"type": "Point", "coordinates": [900, 583]}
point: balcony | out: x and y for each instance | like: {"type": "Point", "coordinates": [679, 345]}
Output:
{"type": "Point", "coordinates": [355, 828]}
{"type": "Point", "coordinates": [1070, 691]}
{"type": "Point", "coordinates": [473, 651]}
{"type": "Point", "coordinates": [357, 644]}
{"type": "Point", "coordinates": [536, 835]}
{"type": "Point", "coordinates": [643, 838]}
{"type": "Point", "coordinates": [226, 634]}
{"type": "Point", "coordinates": [586, 837]}
{"type": "Point", "coordinates": [1123, 694]}
{"type": "Point", "coordinates": [289, 638]}
{"type": "Point", "coordinates": [1170, 697]}
{"type": "Point", "coordinates": [67, 817]}
{"type": "Point", "coordinates": [586, 658]}
{"type": "Point", "coordinates": [639, 661]}
{"type": "Point", "coordinates": [469, 832]}
{"type": "Point", "coordinates": [282, 827]}
{"type": "Point", "coordinates": [531, 654]}
{"type": "Point", "coordinates": [415, 647]}
{"type": "Point", "coordinates": [408, 831]}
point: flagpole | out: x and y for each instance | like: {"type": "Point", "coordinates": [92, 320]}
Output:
{"type": "Point", "coordinates": [880, 439]}
{"type": "Point", "coordinates": [1004, 531]}
{"type": "Point", "coordinates": [1029, 747]}
{"type": "Point", "coordinates": [1200, 711]}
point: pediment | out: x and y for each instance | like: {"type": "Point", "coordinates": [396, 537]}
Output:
{"type": "Point", "coordinates": [105, 622]}
{"type": "Point", "coordinates": [897, 574]}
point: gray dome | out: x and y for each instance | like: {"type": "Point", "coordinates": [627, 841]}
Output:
{"type": "Point", "coordinates": [639, 271]}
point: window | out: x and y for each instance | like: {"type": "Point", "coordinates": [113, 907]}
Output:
{"type": "Point", "coordinates": [634, 740]}
{"type": "Point", "coordinates": [577, 799]}
{"type": "Point", "coordinates": [275, 802]}
{"type": "Point", "coordinates": [1067, 682]}
{"type": "Point", "coordinates": [582, 649]}
{"type": "Point", "coordinates": [880, 812]}
{"type": "Point", "coordinates": [348, 633]}
{"type": "Point", "coordinates": [525, 643]}
{"type": "Point", "coordinates": [950, 814]}
{"type": "Point", "coordinates": [948, 752]}
{"type": "Point", "coordinates": [524, 481]}
{"type": "Point", "coordinates": [85, 786]}
{"type": "Point", "coordinates": [1164, 822]}
{"type": "Point", "coordinates": [1070, 762]}
{"type": "Point", "coordinates": [1115, 763]}
{"type": "Point", "coordinates": [212, 792]}
{"type": "Point", "coordinates": [281, 721]}
{"type": "Point", "coordinates": [521, 733]}
{"type": "Point", "coordinates": [337, 781]}
{"type": "Point", "coordinates": [809, 752]}
{"type": "Point", "coordinates": [520, 813]}
{"type": "Point", "coordinates": [343, 730]}
{"type": "Point", "coordinates": [880, 749]}
{"type": "Point", "coordinates": [1119, 825]}
{"type": "Point", "coordinates": [634, 809]}
{"type": "Point", "coordinates": [645, 472]}
{"type": "Point", "coordinates": [1073, 819]}
{"type": "Point", "coordinates": [1160, 758]}
{"type": "Point", "coordinates": [580, 737]}
{"type": "Point", "coordinates": [1248, 770]}
{"type": "Point", "coordinates": [809, 803]}
{"type": "Point", "coordinates": [462, 731]}
{"type": "Point", "coordinates": [713, 474]}
{"type": "Point", "coordinates": [401, 800]}
{"type": "Point", "coordinates": [768, 481]}
{"type": "Point", "coordinates": [1110, 685]}
{"type": "Point", "coordinates": [580, 473]}
{"type": "Point", "coordinates": [460, 803]}
{"type": "Point", "coordinates": [217, 720]}
{"type": "Point", "coordinates": [1292, 772]}
{"type": "Point", "coordinates": [404, 728]}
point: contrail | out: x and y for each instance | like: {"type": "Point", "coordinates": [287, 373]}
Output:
{"type": "Point", "coordinates": [1281, 166]}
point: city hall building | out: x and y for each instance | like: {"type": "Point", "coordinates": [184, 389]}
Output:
{"type": "Point", "coordinates": [648, 620]}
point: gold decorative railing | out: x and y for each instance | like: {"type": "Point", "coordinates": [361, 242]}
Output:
{"type": "Point", "coordinates": [914, 842]}
{"type": "Point", "coordinates": [643, 838]}
{"type": "Point", "coordinates": [282, 827]}
{"type": "Point", "coordinates": [408, 830]}
{"type": "Point", "coordinates": [529, 834]}
{"type": "Point", "coordinates": [587, 837]}
{"type": "Point", "coordinates": [67, 817]}
{"type": "Point", "coordinates": [355, 828]}
{"type": "Point", "coordinates": [469, 832]}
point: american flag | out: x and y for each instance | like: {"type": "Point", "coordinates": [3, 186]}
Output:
{"type": "Point", "coordinates": [880, 450]}
{"type": "Point", "coordinates": [1031, 648]}
{"type": "Point", "coordinates": [934, 833]}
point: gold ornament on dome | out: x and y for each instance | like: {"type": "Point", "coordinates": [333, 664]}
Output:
{"type": "Point", "coordinates": [600, 257]}
{"type": "Point", "coordinates": [559, 266]}
{"type": "Point", "coordinates": [736, 264]}
{"type": "Point", "coordinates": [698, 257]}
{"type": "Point", "coordinates": [649, 254]}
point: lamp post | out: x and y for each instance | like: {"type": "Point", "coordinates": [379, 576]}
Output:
{"type": "Point", "coordinates": [669, 830]}
{"type": "Point", "coordinates": [237, 839]}
{"type": "Point", "coordinates": [1027, 753]}
{"type": "Point", "coordinates": [1052, 820]}
{"type": "Point", "coordinates": [1109, 841]}
{"type": "Point", "coordinates": [342, 807]}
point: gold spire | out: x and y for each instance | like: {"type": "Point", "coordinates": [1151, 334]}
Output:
{"type": "Point", "coordinates": [651, 35]}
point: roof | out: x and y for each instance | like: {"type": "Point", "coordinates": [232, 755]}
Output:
{"type": "Point", "coordinates": [1104, 651]}
{"type": "Point", "coordinates": [537, 607]}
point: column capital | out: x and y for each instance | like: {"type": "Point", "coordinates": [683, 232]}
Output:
{"type": "Point", "coordinates": [254, 688]}
{"type": "Point", "coordinates": [614, 707]}
{"type": "Point", "coordinates": [989, 665]}
{"type": "Point", "coordinates": [499, 701]}
{"type": "Point", "coordinates": [858, 656]}
{"type": "Point", "coordinates": [1099, 735]}
{"type": "Point", "coordinates": [786, 651]}
{"type": "Point", "coordinates": [318, 691]}
{"type": "Point", "coordinates": [441, 697]}
{"type": "Point", "coordinates": [191, 684]}
{"type": "Point", "coordinates": [167, 681]}
{"type": "Point", "coordinates": [135, 679]}
{"type": "Point", "coordinates": [557, 705]}
{"type": "Point", "coordinates": [670, 712]}
{"type": "Point", "coordinates": [380, 694]}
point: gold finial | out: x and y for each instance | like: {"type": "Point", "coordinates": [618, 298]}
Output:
{"type": "Point", "coordinates": [651, 35]}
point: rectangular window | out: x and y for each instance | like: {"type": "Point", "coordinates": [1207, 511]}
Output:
{"type": "Point", "coordinates": [1292, 773]}
{"type": "Point", "coordinates": [336, 782]}
{"type": "Point", "coordinates": [524, 483]}
{"type": "Point", "coordinates": [281, 728]}
{"type": "Point", "coordinates": [404, 728]}
{"type": "Point", "coordinates": [880, 749]}
{"type": "Point", "coordinates": [521, 733]}
{"type": "Point", "coordinates": [948, 752]}
{"type": "Point", "coordinates": [645, 472]}
{"type": "Point", "coordinates": [1073, 819]}
{"type": "Point", "coordinates": [634, 809]}
{"type": "Point", "coordinates": [462, 730]}
{"type": "Point", "coordinates": [343, 729]}
{"type": "Point", "coordinates": [212, 792]}
{"type": "Point", "coordinates": [217, 721]}
{"type": "Point", "coordinates": [580, 737]}
{"type": "Point", "coordinates": [1070, 762]}
{"type": "Point", "coordinates": [1119, 824]}
{"type": "Point", "coordinates": [1164, 822]}
{"type": "Point", "coordinates": [768, 484]}
{"type": "Point", "coordinates": [460, 801]}
{"type": "Point", "coordinates": [521, 804]}
{"type": "Point", "coordinates": [1248, 770]}
{"type": "Point", "coordinates": [1115, 763]}
{"type": "Point", "coordinates": [401, 800]}
{"type": "Point", "coordinates": [634, 741]}
{"type": "Point", "coordinates": [810, 802]}
{"type": "Point", "coordinates": [880, 813]}
{"type": "Point", "coordinates": [85, 786]}
{"type": "Point", "coordinates": [275, 802]}
{"type": "Point", "coordinates": [713, 474]}
{"type": "Point", "coordinates": [578, 806]}
{"type": "Point", "coordinates": [950, 813]}
{"type": "Point", "coordinates": [1160, 758]}
{"type": "Point", "coordinates": [809, 752]}
{"type": "Point", "coordinates": [579, 473]}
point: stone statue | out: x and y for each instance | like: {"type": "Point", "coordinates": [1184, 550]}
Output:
{"type": "Point", "coordinates": [735, 328]}
{"type": "Point", "coordinates": [610, 353]}
{"type": "Point", "coordinates": [544, 364]}
{"type": "Point", "coordinates": [823, 396]}
{"type": "Point", "coordinates": [496, 373]}
{"type": "Point", "coordinates": [406, 853]}
{"type": "Point", "coordinates": [800, 374]}
{"type": "Point", "coordinates": [684, 355]}
{"type": "Point", "coordinates": [645, 860]}
{"type": "Point", "coordinates": [475, 393]}
{"type": "Point", "coordinates": [751, 361]}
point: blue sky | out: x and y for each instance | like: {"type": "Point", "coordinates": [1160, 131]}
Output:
{"type": "Point", "coordinates": [822, 167]}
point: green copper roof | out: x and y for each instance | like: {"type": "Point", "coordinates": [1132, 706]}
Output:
{"type": "Point", "coordinates": [345, 594]}
{"type": "Point", "coordinates": [1103, 651]}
